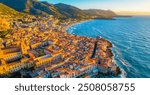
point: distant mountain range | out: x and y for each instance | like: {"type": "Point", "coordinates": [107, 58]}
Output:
{"type": "Point", "coordinates": [38, 8]}
{"type": "Point", "coordinates": [100, 13]}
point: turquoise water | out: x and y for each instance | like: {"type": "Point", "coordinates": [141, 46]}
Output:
{"type": "Point", "coordinates": [130, 37]}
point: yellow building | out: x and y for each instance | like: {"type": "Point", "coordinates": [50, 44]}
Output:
{"type": "Point", "coordinates": [9, 50]}
{"type": "Point", "coordinates": [3, 67]}
{"type": "Point", "coordinates": [11, 56]}
{"type": "Point", "coordinates": [33, 46]}
{"type": "Point", "coordinates": [48, 59]}
{"type": "Point", "coordinates": [6, 68]}
{"type": "Point", "coordinates": [43, 61]}
{"type": "Point", "coordinates": [24, 47]}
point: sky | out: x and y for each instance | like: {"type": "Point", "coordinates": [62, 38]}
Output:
{"type": "Point", "coordinates": [115, 5]}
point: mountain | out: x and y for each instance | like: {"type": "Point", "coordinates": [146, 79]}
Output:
{"type": "Point", "coordinates": [7, 11]}
{"type": "Point", "coordinates": [33, 7]}
{"type": "Point", "coordinates": [100, 13]}
{"type": "Point", "coordinates": [36, 7]}
{"type": "Point", "coordinates": [60, 10]}
{"type": "Point", "coordinates": [70, 11]}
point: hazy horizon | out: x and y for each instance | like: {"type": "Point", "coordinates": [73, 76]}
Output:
{"type": "Point", "coordinates": [137, 7]}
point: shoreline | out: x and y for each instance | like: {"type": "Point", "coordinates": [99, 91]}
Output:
{"type": "Point", "coordinates": [119, 71]}
{"type": "Point", "coordinates": [85, 21]}
{"type": "Point", "coordinates": [65, 29]}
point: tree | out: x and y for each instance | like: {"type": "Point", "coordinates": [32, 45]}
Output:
{"type": "Point", "coordinates": [4, 27]}
{"type": "Point", "coordinates": [4, 24]}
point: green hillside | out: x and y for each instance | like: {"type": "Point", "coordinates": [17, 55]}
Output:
{"type": "Point", "coordinates": [7, 11]}
{"type": "Point", "coordinates": [70, 11]}
{"type": "Point", "coordinates": [39, 8]}
{"type": "Point", "coordinates": [33, 7]}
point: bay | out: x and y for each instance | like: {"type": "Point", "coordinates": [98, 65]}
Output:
{"type": "Point", "coordinates": [131, 41]}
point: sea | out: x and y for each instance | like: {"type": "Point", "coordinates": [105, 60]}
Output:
{"type": "Point", "coordinates": [130, 37]}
